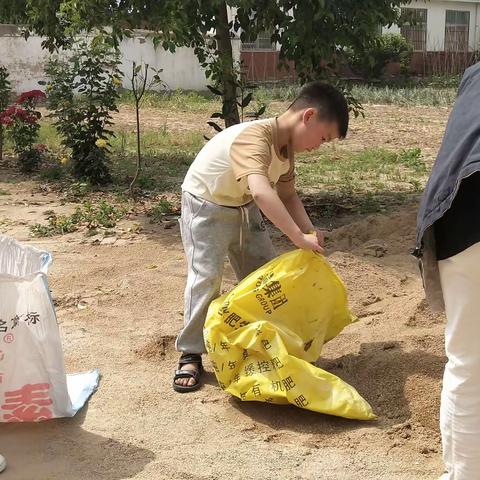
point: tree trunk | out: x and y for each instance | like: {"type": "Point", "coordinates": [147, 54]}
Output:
{"type": "Point", "coordinates": [138, 92]}
{"type": "Point", "coordinates": [139, 153]}
{"type": "Point", "coordinates": [225, 57]}
{"type": "Point", "coordinates": [1, 143]}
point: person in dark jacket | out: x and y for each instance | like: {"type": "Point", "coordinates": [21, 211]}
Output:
{"type": "Point", "coordinates": [448, 246]}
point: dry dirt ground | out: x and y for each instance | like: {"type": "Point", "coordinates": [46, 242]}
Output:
{"type": "Point", "coordinates": [119, 306]}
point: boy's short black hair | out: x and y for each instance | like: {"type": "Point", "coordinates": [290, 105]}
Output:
{"type": "Point", "coordinates": [328, 100]}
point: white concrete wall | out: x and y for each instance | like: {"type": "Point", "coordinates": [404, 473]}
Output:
{"type": "Point", "coordinates": [436, 21]}
{"type": "Point", "coordinates": [180, 69]}
{"type": "Point", "coordinates": [26, 60]}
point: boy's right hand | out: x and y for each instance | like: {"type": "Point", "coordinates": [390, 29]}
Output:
{"type": "Point", "coordinates": [308, 241]}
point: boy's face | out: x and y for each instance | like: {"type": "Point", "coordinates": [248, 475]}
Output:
{"type": "Point", "coordinates": [312, 131]}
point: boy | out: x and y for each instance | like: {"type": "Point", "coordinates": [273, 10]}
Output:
{"type": "Point", "coordinates": [230, 180]}
{"type": "Point", "coordinates": [448, 242]}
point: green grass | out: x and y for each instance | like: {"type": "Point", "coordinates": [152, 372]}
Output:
{"type": "Point", "coordinates": [164, 172]}
{"type": "Point", "coordinates": [57, 225]}
{"type": "Point", "coordinates": [52, 173]}
{"type": "Point", "coordinates": [166, 157]}
{"type": "Point", "coordinates": [367, 179]}
{"type": "Point", "coordinates": [125, 142]}
{"type": "Point", "coordinates": [367, 170]}
{"type": "Point", "coordinates": [439, 91]}
{"type": "Point", "coordinates": [77, 190]}
{"type": "Point", "coordinates": [161, 209]}
{"type": "Point", "coordinates": [434, 91]}
{"type": "Point", "coordinates": [442, 81]}
{"type": "Point", "coordinates": [176, 100]}
{"type": "Point", "coordinates": [155, 142]}
{"type": "Point", "coordinates": [4, 192]}
{"type": "Point", "coordinates": [361, 178]}
{"type": "Point", "coordinates": [48, 135]}
{"type": "Point", "coordinates": [91, 216]}
{"type": "Point", "coordinates": [411, 96]}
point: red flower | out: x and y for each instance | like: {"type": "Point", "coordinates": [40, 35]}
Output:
{"type": "Point", "coordinates": [5, 120]}
{"type": "Point", "coordinates": [32, 94]}
{"type": "Point", "coordinates": [13, 113]}
{"type": "Point", "coordinates": [31, 119]}
{"type": "Point", "coordinates": [8, 112]}
{"type": "Point", "coordinates": [41, 147]}
{"type": "Point", "coordinates": [20, 113]}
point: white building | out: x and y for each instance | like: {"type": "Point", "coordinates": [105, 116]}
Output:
{"type": "Point", "coordinates": [442, 26]}
{"type": "Point", "coordinates": [445, 34]}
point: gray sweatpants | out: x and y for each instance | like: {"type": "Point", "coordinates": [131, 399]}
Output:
{"type": "Point", "coordinates": [210, 232]}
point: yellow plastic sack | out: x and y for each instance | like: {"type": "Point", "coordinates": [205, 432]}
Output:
{"type": "Point", "coordinates": [262, 336]}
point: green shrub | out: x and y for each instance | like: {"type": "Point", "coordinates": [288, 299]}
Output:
{"type": "Point", "coordinates": [82, 93]}
{"type": "Point", "coordinates": [91, 216]}
{"type": "Point", "coordinates": [389, 47]}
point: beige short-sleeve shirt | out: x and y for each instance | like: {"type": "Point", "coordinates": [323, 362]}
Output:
{"type": "Point", "coordinates": [220, 170]}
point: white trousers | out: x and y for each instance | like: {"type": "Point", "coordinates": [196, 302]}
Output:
{"type": "Point", "coordinates": [460, 405]}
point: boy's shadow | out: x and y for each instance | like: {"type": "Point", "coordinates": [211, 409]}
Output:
{"type": "Point", "coordinates": [379, 372]}
{"type": "Point", "coordinates": [61, 448]}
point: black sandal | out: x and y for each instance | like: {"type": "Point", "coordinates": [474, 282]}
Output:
{"type": "Point", "coordinates": [184, 359]}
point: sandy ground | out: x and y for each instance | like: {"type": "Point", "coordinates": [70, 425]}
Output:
{"type": "Point", "coordinates": [119, 306]}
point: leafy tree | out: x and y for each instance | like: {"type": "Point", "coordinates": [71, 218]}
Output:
{"type": "Point", "coordinates": [312, 33]}
{"type": "Point", "coordinates": [141, 82]}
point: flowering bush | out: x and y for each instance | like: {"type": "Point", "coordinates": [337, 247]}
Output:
{"type": "Point", "coordinates": [30, 97]}
{"type": "Point", "coordinates": [22, 120]}
{"type": "Point", "coordinates": [12, 113]}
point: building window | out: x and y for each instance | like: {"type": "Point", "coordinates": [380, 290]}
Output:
{"type": "Point", "coordinates": [414, 27]}
{"type": "Point", "coordinates": [456, 31]}
{"type": "Point", "coordinates": [262, 43]}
